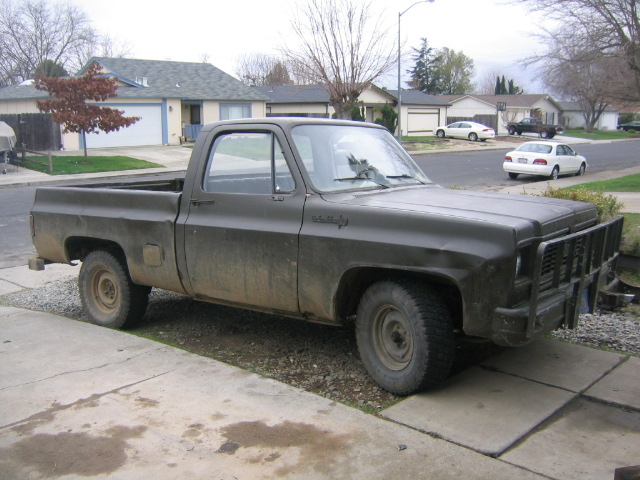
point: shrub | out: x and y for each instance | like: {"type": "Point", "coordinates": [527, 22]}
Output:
{"type": "Point", "coordinates": [389, 118]}
{"type": "Point", "coordinates": [608, 206]}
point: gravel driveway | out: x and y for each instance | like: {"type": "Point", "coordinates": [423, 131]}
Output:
{"type": "Point", "coordinates": [313, 357]}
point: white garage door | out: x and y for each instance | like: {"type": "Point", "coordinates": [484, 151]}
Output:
{"type": "Point", "coordinates": [422, 120]}
{"type": "Point", "coordinates": [146, 131]}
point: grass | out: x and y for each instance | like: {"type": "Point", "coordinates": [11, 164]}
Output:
{"type": "Point", "coordinates": [69, 165]}
{"type": "Point", "coordinates": [631, 234]}
{"type": "Point", "coordinates": [630, 183]}
{"type": "Point", "coordinates": [601, 134]}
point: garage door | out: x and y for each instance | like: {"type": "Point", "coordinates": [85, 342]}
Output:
{"type": "Point", "coordinates": [422, 120]}
{"type": "Point", "coordinates": [146, 131]}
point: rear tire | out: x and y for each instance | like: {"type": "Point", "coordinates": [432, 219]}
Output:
{"type": "Point", "coordinates": [108, 295]}
{"type": "Point", "coordinates": [405, 336]}
{"type": "Point", "coordinates": [555, 172]}
{"type": "Point", "coordinates": [544, 134]}
{"type": "Point", "coordinates": [513, 175]}
{"type": "Point", "coordinates": [473, 137]}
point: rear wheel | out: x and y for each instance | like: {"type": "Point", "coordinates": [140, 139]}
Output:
{"type": "Point", "coordinates": [109, 296]}
{"type": "Point", "coordinates": [405, 336]}
{"type": "Point", "coordinates": [555, 172]}
{"type": "Point", "coordinates": [544, 134]}
{"type": "Point", "coordinates": [473, 137]}
{"type": "Point", "coordinates": [513, 175]}
{"type": "Point", "coordinates": [440, 133]}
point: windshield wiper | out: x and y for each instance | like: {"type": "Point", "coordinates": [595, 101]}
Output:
{"type": "Point", "coordinates": [406, 176]}
{"type": "Point", "coordinates": [348, 179]}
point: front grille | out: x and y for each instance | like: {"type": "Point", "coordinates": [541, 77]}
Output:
{"type": "Point", "coordinates": [571, 264]}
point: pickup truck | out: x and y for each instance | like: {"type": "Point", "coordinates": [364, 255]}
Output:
{"type": "Point", "coordinates": [535, 126]}
{"type": "Point", "coordinates": [331, 221]}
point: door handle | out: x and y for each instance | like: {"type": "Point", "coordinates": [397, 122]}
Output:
{"type": "Point", "coordinates": [197, 203]}
{"type": "Point", "coordinates": [277, 198]}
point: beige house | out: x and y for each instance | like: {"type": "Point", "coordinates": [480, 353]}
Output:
{"type": "Point", "coordinates": [485, 109]}
{"type": "Point", "coordinates": [421, 113]}
{"type": "Point", "coordinates": [172, 99]}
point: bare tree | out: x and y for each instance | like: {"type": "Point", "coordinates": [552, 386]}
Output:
{"type": "Point", "coordinates": [254, 68]}
{"type": "Point", "coordinates": [593, 29]}
{"type": "Point", "coordinates": [341, 45]}
{"type": "Point", "coordinates": [33, 31]}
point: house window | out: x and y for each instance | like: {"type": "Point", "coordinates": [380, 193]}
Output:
{"type": "Point", "coordinates": [231, 111]}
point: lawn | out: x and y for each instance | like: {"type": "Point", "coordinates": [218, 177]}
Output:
{"type": "Point", "coordinates": [630, 183]}
{"type": "Point", "coordinates": [601, 134]}
{"type": "Point", "coordinates": [69, 165]}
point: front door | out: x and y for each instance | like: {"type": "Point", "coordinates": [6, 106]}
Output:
{"type": "Point", "coordinates": [241, 234]}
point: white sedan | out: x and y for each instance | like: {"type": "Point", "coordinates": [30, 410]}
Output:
{"type": "Point", "coordinates": [471, 130]}
{"type": "Point", "coordinates": [549, 159]}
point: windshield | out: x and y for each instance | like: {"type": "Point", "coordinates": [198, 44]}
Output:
{"type": "Point", "coordinates": [534, 148]}
{"type": "Point", "coordinates": [341, 157]}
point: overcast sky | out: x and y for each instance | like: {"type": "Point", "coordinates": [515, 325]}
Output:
{"type": "Point", "coordinates": [494, 35]}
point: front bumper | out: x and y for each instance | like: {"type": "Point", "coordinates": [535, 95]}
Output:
{"type": "Point", "coordinates": [566, 271]}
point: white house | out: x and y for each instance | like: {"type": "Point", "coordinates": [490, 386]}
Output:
{"type": "Point", "coordinates": [172, 99]}
{"type": "Point", "coordinates": [572, 117]}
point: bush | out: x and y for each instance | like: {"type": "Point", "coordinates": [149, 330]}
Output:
{"type": "Point", "coordinates": [608, 206]}
{"type": "Point", "coordinates": [356, 113]}
{"type": "Point", "coordinates": [389, 119]}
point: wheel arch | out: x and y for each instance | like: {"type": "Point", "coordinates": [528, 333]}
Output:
{"type": "Point", "coordinates": [356, 280]}
{"type": "Point", "coordinates": [78, 247]}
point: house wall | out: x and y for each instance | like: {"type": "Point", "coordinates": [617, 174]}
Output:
{"type": "Point", "coordinates": [573, 119]}
{"type": "Point", "coordinates": [19, 106]}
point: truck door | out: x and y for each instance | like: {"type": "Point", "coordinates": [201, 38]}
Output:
{"type": "Point", "coordinates": [245, 214]}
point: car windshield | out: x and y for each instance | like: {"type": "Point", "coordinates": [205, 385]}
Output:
{"type": "Point", "coordinates": [534, 148]}
{"type": "Point", "coordinates": [345, 157]}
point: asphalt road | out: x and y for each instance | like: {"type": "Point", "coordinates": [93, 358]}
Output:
{"type": "Point", "coordinates": [480, 170]}
{"type": "Point", "coordinates": [483, 169]}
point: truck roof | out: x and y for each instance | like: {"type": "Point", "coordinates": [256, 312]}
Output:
{"type": "Point", "coordinates": [290, 122]}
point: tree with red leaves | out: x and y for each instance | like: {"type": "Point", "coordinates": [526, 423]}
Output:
{"type": "Point", "coordinates": [68, 106]}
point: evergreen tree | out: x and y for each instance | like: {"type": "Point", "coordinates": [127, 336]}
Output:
{"type": "Point", "coordinates": [423, 73]}
{"type": "Point", "coordinates": [497, 89]}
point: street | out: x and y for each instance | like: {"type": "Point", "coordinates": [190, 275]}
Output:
{"type": "Point", "coordinates": [474, 169]}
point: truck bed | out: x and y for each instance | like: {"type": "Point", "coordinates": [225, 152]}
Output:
{"type": "Point", "coordinates": [139, 218]}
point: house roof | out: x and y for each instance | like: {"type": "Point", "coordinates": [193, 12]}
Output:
{"type": "Point", "coordinates": [319, 94]}
{"type": "Point", "coordinates": [295, 93]}
{"type": "Point", "coordinates": [160, 79]}
{"type": "Point", "coordinates": [416, 97]}
{"type": "Point", "coordinates": [525, 100]}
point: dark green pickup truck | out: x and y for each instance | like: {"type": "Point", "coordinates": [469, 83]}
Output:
{"type": "Point", "coordinates": [332, 222]}
{"type": "Point", "coordinates": [533, 125]}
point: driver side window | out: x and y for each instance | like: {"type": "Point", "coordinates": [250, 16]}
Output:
{"type": "Point", "coordinates": [247, 162]}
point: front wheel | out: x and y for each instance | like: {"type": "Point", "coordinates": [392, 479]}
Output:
{"type": "Point", "coordinates": [512, 131]}
{"type": "Point", "coordinates": [473, 137]}
{"type": "Point", "coordinates": [108, 295]}
{"type": "Point", "coordinates": [440, 133]}
{"type": "Point", "coordinates": [581, 170]}
{"type": "Point", "coordinates": [405, 336]}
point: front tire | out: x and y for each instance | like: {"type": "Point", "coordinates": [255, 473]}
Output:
{"type": "Point", "coordinates": [108, 295]}
{"type": "Point", "coordinates": [440, 133]}
{"type": "Point", "coordinates": [405, 336]}
{"type": "Point", "coordinates": [581, 170]}
{"type": "Point", "coordinates": [512, 131]}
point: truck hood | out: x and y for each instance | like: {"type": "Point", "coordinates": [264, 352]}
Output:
{"type": "Point", "coordinates": [528, 215]}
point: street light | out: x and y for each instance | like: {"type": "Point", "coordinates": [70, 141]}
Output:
{"type": "Point", "coordinates": [399, 84]}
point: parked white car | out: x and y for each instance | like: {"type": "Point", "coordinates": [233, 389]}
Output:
{"type": "Point", "coordinates": [548, 159]}
{"type": "Point", "coordinates": [471, 130]}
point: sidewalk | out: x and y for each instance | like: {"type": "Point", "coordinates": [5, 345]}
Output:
{"type": "Point", "coordinates": [79, 400]}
